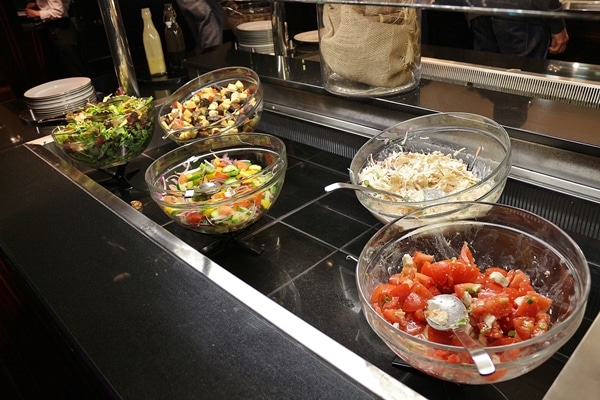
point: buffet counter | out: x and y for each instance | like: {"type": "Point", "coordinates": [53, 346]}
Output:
{"type": "Point", "coordinates": [149, 309]}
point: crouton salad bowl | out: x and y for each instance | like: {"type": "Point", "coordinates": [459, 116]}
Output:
{"type": "Point", "coordinates": [226, 100]}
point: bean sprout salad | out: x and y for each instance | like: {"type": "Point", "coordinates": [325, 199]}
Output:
{"type": "Point", "coordinates": [410, 174]}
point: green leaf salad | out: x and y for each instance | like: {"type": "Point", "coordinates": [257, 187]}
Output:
{"type": "Point", "coordinates": [107, 133]}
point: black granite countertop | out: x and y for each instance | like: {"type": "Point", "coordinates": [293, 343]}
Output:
{"type": "Point", "coordinates": [14, 128]}
{"type": "Point", "coordinates": [153, 310]}
{"type": "Point", "coordinates": [145, 323]}
{"type": "Point", "coordinates": [152, 326]}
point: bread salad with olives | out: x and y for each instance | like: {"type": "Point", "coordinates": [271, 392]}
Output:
{"type": "Point", "coordinates": [211, 111]}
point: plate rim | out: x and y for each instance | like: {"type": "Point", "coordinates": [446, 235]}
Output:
{"type": "Point", "coordinates": [60, 86]}
{"type": "Point", "coordinates": [263, 25]}
{"type": "Point", "coordinates": [301, 36]}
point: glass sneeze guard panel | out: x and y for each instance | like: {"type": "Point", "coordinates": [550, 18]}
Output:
{"type": "Point", "coordinates": [576, 9]}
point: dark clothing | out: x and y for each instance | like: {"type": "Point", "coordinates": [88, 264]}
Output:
{"type": "Point", "coordinates": [522, 36]}
{"type": "Point", "coordinates": [556, 24]}
{"type": "Point", "coordinates": [205, 20]}
{"type": "Point", "coordinates": [510, 36]}
{"type": "Point", "coordinates": [64, 39]}
{"type": "Point", "coordinates": [445, 28]}
{"type": "Point", "coordinates": [66, 58]}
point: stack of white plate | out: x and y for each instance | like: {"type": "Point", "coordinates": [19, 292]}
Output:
{"type": "Point", "coordinates": [56, 98]}
{"type": "Point", "coordinates": [256, 36]}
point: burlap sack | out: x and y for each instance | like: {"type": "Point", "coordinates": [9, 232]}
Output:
{"type": "Point", "coordinates": [377, 46]}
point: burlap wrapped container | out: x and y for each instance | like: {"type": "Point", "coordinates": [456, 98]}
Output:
{"type": "Point", "coordinates": [377, 47]}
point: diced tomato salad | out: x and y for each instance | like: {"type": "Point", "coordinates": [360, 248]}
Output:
{"type": "Point", "coordinates": [503, 306]}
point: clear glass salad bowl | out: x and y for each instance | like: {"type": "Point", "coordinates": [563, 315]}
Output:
{"type": "Point", "coordinates": [498, 236]}
{"type": "Point", "coordinates": [108, 133]}
{"type": "Point", "coordinates": [220, 184]}
{"type": "Point", "coordinates": [480, 146]}
{"type": "Point", "coordinates": [226, 100]}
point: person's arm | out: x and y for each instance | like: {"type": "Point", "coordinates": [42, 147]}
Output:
{"type": "Point", "coordinates": [54, 10]}
{"type": "Point", "coordinates": [32, 10]}
{"type": "Point", "coordinates": [559, 42]}
{"type": "Point", "coordinates": [560, 36]}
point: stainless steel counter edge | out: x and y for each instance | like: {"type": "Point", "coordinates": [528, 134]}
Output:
{"type": "Point", "coordinates": [353, 366]}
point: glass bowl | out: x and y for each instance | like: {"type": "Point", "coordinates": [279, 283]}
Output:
{"type": "Point", "coordinates": [107, 133]}
{"type": "Point", "coordinates": [220, 184]}
{"type": "Point", "coordinates": [498, 236]}
{"type": "Point", "coordinates": [481, 147]}
{"type": "Point", "coordinates": [226, 100]}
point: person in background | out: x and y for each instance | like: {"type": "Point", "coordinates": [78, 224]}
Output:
{"type": "Point", "coordinates": [522, 36]}
{"type": "Point", "coordinates": [205, 21]}
{"type": "Point", "coordinates": [55, 15]}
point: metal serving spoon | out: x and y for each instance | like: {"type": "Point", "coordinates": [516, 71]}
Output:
{"type": "Point", "coordinates": [234, 11]}
{"type": "Point", "coordinates": [166, 135]}
{"type": "Point", "coordinates": [204, 189]}
{"type": "Point", "coordinates": [446, 312]}
{"type": "Point", "coordinates": [430, 194]}
{"type": "Point", "coordinates": [340, 185]}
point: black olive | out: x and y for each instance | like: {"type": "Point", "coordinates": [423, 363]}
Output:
{"type": "Point", "coordinates": [234, 107]}
{"type": "Point", "coordinates": [132, 117]}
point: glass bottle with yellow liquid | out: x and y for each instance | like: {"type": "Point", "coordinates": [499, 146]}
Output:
{"type": "Point", "coordinates": [153, 46]}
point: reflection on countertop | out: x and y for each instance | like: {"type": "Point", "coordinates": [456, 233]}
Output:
{"type": "Point", "coordinates": [15, 128]}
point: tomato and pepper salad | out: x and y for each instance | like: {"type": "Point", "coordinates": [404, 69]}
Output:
{"type": "Point", "coordinates": [233, 179]}
{"type": "Point", "coordinates": [503, 305]}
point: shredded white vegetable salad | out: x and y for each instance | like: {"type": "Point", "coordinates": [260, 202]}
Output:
{"type": "Point", "coordinates": [409, 174]}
